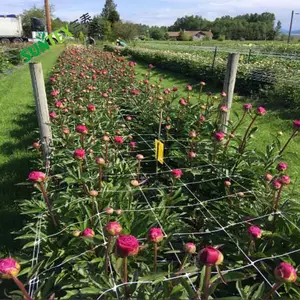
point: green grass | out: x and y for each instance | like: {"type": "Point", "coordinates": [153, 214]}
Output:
{"type": "Point", "coordinates": [276, 120]}
{"type": "Point", "coordinates": [18, 125]}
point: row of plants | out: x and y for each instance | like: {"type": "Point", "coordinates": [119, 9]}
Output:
{"type": "Point", "coordinates": [10, 56]}
{"type": "Point", "coordinates": [216, 220]}
{"type": "Point", "coordinates": [271, 78]}
{"type": "Point", "coordinates": [257, 46]}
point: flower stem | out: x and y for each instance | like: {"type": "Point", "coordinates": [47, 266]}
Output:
{"type": "Point", "coordinates": [275, 207]}
{"type": "Point", "coordinates": [100, 177]}
{"type": "Point", "coordinates": [82, 141]}
{"type": "Point", "coordinates": [155, 258]}
{"type": "Point", "coordinates": [274, 289]}
{"type": "Point", "coordinates": [138, 170]}
{"type": "Point", "coordinates": [243, 144]}
{"type": "Point", "coordinates": [44, 192]}
{"type": "Point", "coordinates": [125, 275]}
{"type": "Point", "coordinates": [106, 152]}
{"type": "Point", "coordinates": [183, 262]}
{"type": "Point", "coordinates": [107, 254]}
{"type": "Point", "coordinates": [286, 144]}
{"type": "Point", "coordinates": [21, 287]}
{"type": "Point", "coordinates": [206, 282]}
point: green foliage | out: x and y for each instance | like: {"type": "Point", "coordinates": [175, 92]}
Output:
{"type": "Point", "coordinates": [109, 10]}
{"type": "Point", "coordinates": [157, 33]}
{"type": "Point", "coordinates": [33, 12]}
{"type": "Point", "coordinates": [183, 36]}
{"type": "Point", "coordinates": [126, 31]}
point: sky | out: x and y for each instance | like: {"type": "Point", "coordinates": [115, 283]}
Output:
{"type": "Point", "coordinates": [163, 12]}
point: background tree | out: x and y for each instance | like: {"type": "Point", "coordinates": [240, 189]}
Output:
{"type": "Point", "coordinates": [183, 36]}
{"type": "Point", "coordinates": [109, 6]}
{"type": "Point", "coordinates": [126, 31]}
{"type": "Point", "coordinates": [33, 12]}
{"type": "Point", "coordinates": [113, 16]}
{"type": "Point", "coordinates": [157, 33]}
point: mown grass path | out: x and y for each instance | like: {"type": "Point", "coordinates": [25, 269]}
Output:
{"type": "Point", "coordinates": [18, 125]}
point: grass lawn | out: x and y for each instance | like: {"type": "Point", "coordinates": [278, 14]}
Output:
{"type": "Point", "coordinates": [273, 122]}
{"type": "Point", "coordinates": [18, 126]}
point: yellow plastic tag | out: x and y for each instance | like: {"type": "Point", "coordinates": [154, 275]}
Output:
{"type": "Point", "coordinates": [159, 151]}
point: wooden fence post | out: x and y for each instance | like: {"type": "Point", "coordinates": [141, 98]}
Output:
{"type": "Point", "coordinates": [38, 85]}
{"type": "Point", "coordinates": [228, 88]}
{"type": "Point", "coordinates": [214, 60]}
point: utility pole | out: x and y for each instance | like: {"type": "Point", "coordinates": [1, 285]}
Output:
{"type": "Point", "coordinates": [291, 25]}
{"type": "Point", "coordinates": [48, 17]}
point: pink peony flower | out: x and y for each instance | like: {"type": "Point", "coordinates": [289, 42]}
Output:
{"type": "Point", "coordinates": [285, 180]}
{"type": "Point", "coordinates": [276, 184]}
{"type": "Point", "coordinates": [37, 176]}
{"type": "Point", "coordinates": [88, 233]}
{"type": "Point", "coordinates": [119, 140]}
{"type": "Point", "coordinates": [296, 124]}
{"type": "Point", "coordinates": [177, 173]}
{"type": "Point", "coordinates": [81, 129]}
{"type": "Point", "coordinates": [9, 267]}
{"type": "Point", "coordinates": [52, 115]}
{"type": "Point", "coordinates": [285, 273]}
{"type": "Point", "coordinates": [268, 177]}
{"type": "Point", "coordinates": [155, 235]}
{"type": "Point", "coordinates": [91, 107]}
{"type": "Point", "coordinates": [79, 154]}
{"type": "Point", "coordinates": [247, 107]}
{"type": "Point", "coordinates": [189, 87]}
{"type": "Point", "coordinates": [219, 136]}
{"type": "Point", "coordinates": [254, 232]}
{"type": "Point", "coordinates": [113, 228]}
{"type": "Point", "coordinates": [260, 111]}
{"type": "Point", "coordinates": [210, 256]}
{"type": "Point", "coordinates": [190, 248]}
{"type": "Point", "coordinates": [100, 161]}
{"type": "Point", "coordinates": [127, 245]}
{"type": "Point", "coordinates": [282, 166]}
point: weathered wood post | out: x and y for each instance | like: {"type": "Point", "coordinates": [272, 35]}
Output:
{"type": "Point", "coordinates": [38, 85]}
{"type": "Point", "coordinates": [228, 88]}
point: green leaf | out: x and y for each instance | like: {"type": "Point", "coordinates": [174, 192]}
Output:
{"type": "Point", "coordinates": [259, 293]}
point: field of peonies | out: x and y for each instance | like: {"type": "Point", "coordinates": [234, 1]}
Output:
{"type": "Point", "coordinates": [107, 221]}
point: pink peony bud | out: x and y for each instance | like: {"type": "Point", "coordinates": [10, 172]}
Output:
{"type": "Point", "coordinates": [36, 145]}
{"type": "Point", "coordinates": [268, 177]}
{"type": "Point", "coordinates": [59, 104]}
{"type": "Point", "coordinates": [135, 92]}
{"type": "Point", "coordinates": [91, 107]}
{"type": "Point", "coordinates": [260, 111]}
{"type": "Point", "coordinates": [155, 235]}
{"type": "Point", "coordinates": [52, 115]}
{"type": "Point", "coordinates": [276, 184]}
{"type": "Point", "coordinates": [193, 134]}
{"type": "Point", "coordinates": [54, 93]}
{"type": "Point", "coordinates": [192, 154]}
{"type": "Point", "coordinates": [247, 107]}
{"type": "Point", "coordinates": [202, 83]}
{"type": "Point", "coordinates": [210, 256]}
{"type": "Point", "coordinates": [296, 124]}
{"type": "Point", "coordinates": [93, 193]}
{"type": "Point", "coordinates": [140, 157]}
{"type": "Point", "coordinates": [219, 136]}
{"type": "Point", "coordinates": [37, 176]}
{"type": "Point", "coordinates": [79, 154]}
{"type": "Point", "coordinates": [254, 232]}
{"type": "Point", "coordinates": [177, 173]}
{"type": "Point", "coordinates": [183, 102]}
{"type": "Point", "coordinates": [189, 87]}
{"type": "Point", "coordinates": [175, 89]}
{"type": "Point", "coordinates": [223, 94]}
{"type": "Point", "coordinates": [132, 145]}
{"type": "Point", "coordinates": [190, 248]}
{"type": "Point", "coordinates": [282, 166]}
{"type": "Point", "coordinates": [109, 210]}
{"type": "Point", "coordinates": [119, 140]}
{"type": "Point", "coordinates": [9, 267]}
{"type": "Point", "coordinates": [202, 118]}
{"type": "Point", "coordinates": [81, 129]}
{"type": "Point", "coordinates": [131, 64]}
{"type": "Point", "coordinates": [100, 161]}
{"type": "Point", "coordinates": [66, 131]}
{"type": "Point", "coordinates": [168, 127]}
{"type": "Point", "coordinates": [127, 245]}
{"type": "Point", "coordinates": [105, 138]}
{"type": "Point", "coordinates": [128, 118]}
{"type": "Point", "coordinates": [134, 183]}
{"type": "Point", "coordinates": [227, 183]}
{"type": "Point", "coordinates": [224, 108]}
{"type": "Point", "coordinates": [88, 233]}
{"type": "Point", "coordinates": [118, 212]}
{"type": "Point", "coordinates": [285, 273]}
{"type": "Point", "coordinates": [113, 228]}
{"type": "Point", "coordinates": [285, 180]}
{"type": "Point", "coordinates": [76, 233]}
